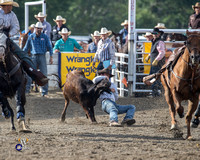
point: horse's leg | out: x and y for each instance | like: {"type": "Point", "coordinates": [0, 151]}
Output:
{"type": "Point", "coordinates": [21, 100]}
{"type": "Point", "coordinates": [7, 110]}
{"type": "Point", "coordinates": [192, 106]}
{"type": "Point", "coordinates": [170, 102]}
{"type": "Point", "coordinates": [177, 100]}
{"type": "Point", "coordinates": [65, 108]}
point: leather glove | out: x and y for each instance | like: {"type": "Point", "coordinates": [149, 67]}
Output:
{"type": "Point", "coordinates": [147, 58]}
{"type": "Point", "coordinates": [155, 63]}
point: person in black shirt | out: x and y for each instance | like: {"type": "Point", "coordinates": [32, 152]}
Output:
{"type": "Point", "coordinates": [58, 27]}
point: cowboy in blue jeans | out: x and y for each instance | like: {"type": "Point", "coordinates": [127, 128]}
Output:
{"type": "Point", "coordinates": [108, 102]}
{"type": "Point", "coordinates": [39, 43]}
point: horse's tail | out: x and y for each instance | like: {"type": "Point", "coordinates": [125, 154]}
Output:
{"type": "Point", "coordinates": [58, 79]}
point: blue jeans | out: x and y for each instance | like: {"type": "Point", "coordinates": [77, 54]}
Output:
{"type": "Point", "coordinates": [28, 84]}
{"type": "Point", "coordinates": [114, 109]}
{"type": "Point", "coordinates": [156, 85]}
{"type": "Point", "coordinates": [39, 61]}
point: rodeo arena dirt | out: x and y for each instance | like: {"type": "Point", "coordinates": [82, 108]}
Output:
{"type": "Point", "coordinates": [77, 138]}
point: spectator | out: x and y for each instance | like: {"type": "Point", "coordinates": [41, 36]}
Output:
{"type": "Point", "coordinates": [92, 48]}
{"type": "Point", "coordinates": [66, 44]}
{"type": "Point", "coordinates": [30, 29]}
{"type": "Point", "coordinates": [57, 28]}
{"type": "Point", "coordinates": [162, 26]}
{"type": "Point", "coordinates": [109, 105]}
{"type": "Point", "coordinates": [124, 31]}
{"type": "Point", "coordinates": [194, 21]}
{"type": "Point", "coordinates": [46, 26]}
{"type": "Point", "coordinates": [105, 50]}
{"type": "Point", "coordinates": [38, 43]}
{"type": "Point", "coordinates": [157, 58]}
{"type": "Point", "coordinates": [148, 36]}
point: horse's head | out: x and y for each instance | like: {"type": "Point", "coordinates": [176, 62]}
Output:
{"type": "Point", "coordinates": [22, 39]}
{"type": "Point", "coordinates": [117, 39]}
{"type": "Point", "coordinates": [193, 46]}
{"type": "Point", "coordinates": [3, 46]}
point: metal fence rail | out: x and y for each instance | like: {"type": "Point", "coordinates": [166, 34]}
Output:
{"type": "Point", "coordinates": [120, 72]}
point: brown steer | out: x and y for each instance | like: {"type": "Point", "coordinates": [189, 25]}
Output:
{"type": "Point", "coordinates": [83, 91]}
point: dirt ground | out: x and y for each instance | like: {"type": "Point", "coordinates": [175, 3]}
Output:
{"type": "Point", "coordinates": [78, 139]}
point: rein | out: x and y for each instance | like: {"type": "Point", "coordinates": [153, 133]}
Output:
{"type": "Point", "coordinates": [188, 63]}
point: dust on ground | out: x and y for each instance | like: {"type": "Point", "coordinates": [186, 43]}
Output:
{"type": "Point", "coordinates": [77, 138]}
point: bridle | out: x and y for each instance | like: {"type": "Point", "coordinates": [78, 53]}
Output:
{"type": "Point", "coordinates": [193, 67]}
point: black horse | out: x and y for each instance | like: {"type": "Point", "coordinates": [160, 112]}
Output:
{"type": "Point", "coordinates": [13, 81]}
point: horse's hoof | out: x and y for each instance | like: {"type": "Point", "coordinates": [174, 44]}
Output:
{"type": "Point", "coordinates": [173, 127]}
{"type": "Point", "coordinates": [181, 116]}
{"type": "Point", "coordinates": [190, 138]}
{"type": "Point", "coordinates": [22, 126]}
{"type": "Point", "coordinates": [6, 114]}
{"type": "Point", "coordinates": [25, 130]}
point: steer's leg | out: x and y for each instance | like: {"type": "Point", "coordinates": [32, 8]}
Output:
{"type": "Point", "coordinates": [65, 108]}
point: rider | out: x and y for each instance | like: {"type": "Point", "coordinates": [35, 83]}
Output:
{"type": "Point", "coordinates": [11, 27]}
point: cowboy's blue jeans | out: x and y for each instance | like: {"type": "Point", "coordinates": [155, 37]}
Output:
{"type": "Point", "coordinates": [156, 85]}
{"type": "Point", "coordinates": [114, 109]}
{"type": "Point", "coordinates": [39, 61]}
{"type": "Point", "coordinates": [197, 113]}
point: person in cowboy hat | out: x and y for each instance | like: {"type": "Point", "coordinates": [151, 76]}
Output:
{"type": "Point", "coordinates": [148, 36]}
{"type": "Point", "coordinates": [46, 25]}
{"type": "Point", "coordinates": [38, 43]}
{"type": "Point", "coordinates": [105, 50]}
{"type": "Point", "coordinates": [124, 31]}
{"type": "Point", "coordinates": [92, 48]}
{"type": "Point", "coordinates": [109, 105]}
{"type": "Point", "coordinates": [157, 57]}
{"type": "Point", "coordinates": [30, 29]}
{"type": "Point", "coordinates": [194, 20]}
{"type": "Point", "coordinates": [66, 44]}
{"type": "Point", "coordinates": [60, 24]}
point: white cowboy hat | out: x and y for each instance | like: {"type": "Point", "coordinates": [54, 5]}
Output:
{"type": "Point", "coordinates": [124, 23]}
{"type": "Point", "coordinates": [105, 31]}
{"type": "Point", "coordinates": [31, 26]}
{"type": "Point", "coordinates": [148, 34]}
{"type": "Point", "coordinates": [96, 33]}
{"type": "Point", "coordinates": [8, 2]}
{"type": "Point", "coordinates": [64, 31]}
{"type": "Point", "coordinates": [160, 26]}
{"type": "Point", "coordinates": [59, 18]}
{"type": "Point", "coordinates": [40, 14]}
{"type": "Point", "coordinates": [197, 5]}
{"type": "Point", "coordinates": [39, 25]}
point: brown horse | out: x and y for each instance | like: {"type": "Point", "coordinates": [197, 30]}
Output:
{"type": "Point", "coordinates": [22, 40]}
{"type": "Point", "coordinates": [180, 81]}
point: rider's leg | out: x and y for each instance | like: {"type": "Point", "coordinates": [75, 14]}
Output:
{"type": "Point", "coordinates": [28, 65]}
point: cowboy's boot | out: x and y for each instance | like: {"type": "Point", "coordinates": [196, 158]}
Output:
{"type": "Point", "coordinates": [37, 76]}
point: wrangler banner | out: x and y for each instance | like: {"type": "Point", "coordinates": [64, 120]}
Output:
{"type": "Point", "coordinates": [68, 62]}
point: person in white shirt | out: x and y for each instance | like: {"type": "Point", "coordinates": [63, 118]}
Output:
{"type": "Point", "coordinates": [105, 50]}
{"type": "Point", "coordinates": [110, 106]}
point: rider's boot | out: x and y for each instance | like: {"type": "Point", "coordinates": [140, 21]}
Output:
{"type": "Point", "coordinates": [195, 121]}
